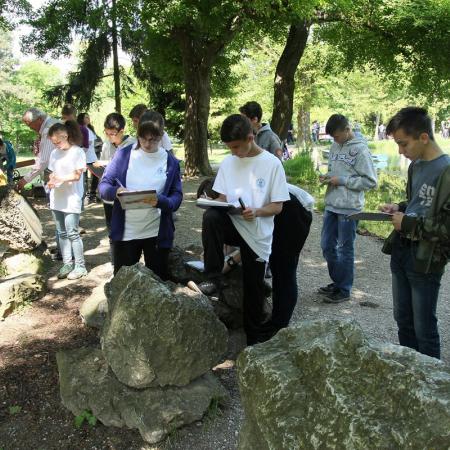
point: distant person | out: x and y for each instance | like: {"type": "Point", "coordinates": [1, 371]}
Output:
{"type": "Point", "coordinates": [7, 159]}
{"type": "Point", "coordinates": [91, 154]}
{"type": "Point", "coordinates": [420, 243]}
{"type": "Point", "coordinates": [257, 178]}
{"type": "Point", "coordinates": [350, 173]}
{"type": "Point", "coordinates": [381, 132]}
{"type": "Point", "coordinates": [357, 131]}
{"type": "Point", "coordinates": [135, 115]}
{"type": "Point", "coordinates": [264, 136]}
{"type": "Point", "coordinates": [315, 131]}
{"type": "Point", "coordinates": [39, 122]}
{"type": "Point", "coordinates": [67, 163]}
{"type": "Point", "coordinates": [147, 167]}
{"type": "Point", "coordinates": [290, 134]}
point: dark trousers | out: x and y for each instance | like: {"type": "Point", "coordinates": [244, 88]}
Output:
{"type": "Point", "coordinates": [217, 230]}
{"type": "Point", "coordinates": [128, 253]}
{"type": "Point", "coordinates": [108, 209]}
{"type": "Point", "coordinates": [291, 228]}
{"type": "Point", "coordinates": [415, 297]}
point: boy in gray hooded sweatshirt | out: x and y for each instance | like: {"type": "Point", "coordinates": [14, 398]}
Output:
{"type": "Point", "coordinates": [350, 173]}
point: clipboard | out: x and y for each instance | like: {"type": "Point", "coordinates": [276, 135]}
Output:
{"type": "Point", "coordinates": [373, 216]}
{"type": "Point", "coordinates": [206, 203]}
{"type": "Point", "coordinates": [135, 199]}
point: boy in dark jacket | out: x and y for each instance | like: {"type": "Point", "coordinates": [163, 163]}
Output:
{"type": "Point", "coordinates": [419, 245]}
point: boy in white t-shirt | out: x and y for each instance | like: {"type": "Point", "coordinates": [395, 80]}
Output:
{"type": "Point", "coordinates": [256, 178]}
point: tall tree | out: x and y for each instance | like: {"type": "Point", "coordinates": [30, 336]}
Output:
{"type": "Point", "coordinates": [97, 24]}
{"type": "Point", "coordinates": [405, 36]}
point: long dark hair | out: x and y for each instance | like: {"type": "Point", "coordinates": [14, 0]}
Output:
{"type": "Point", "coordinates": [72, 129]}
{"type": "Point", "coordinates": [80, 120]}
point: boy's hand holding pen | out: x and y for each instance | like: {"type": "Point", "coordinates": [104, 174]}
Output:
{"type": "Point", "coordinates": [247, 213]}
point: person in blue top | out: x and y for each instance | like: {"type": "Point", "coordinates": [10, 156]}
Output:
{"type": "Point", "coordinates": [7, 159]}
{"type": "Point", "coordinates": [141, 166]}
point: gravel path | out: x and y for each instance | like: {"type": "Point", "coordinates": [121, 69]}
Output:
{"type": "Point", "coordinates": [219, 429]}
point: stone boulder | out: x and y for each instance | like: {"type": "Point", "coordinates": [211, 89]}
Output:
{"type": "Point", "coordinates": [87, 383]}
{"type": "Point", "coordinates": [33, 262]}
{"type": "Point", "coordinates": [20, 226]}
{"type": "Point", "coordinates": [19, 290]}
{"type": "Point", "coordinates": [157, 334]}
{"type": "Point", "coordinates": [322, 385]}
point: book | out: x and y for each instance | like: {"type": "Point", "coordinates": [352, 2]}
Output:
{"type": "Point", "coordinates": [205, 203]}
{"type": "Point", "coordinates": [136, 199]}
{"type": "Point", "coordinates": [375, 216]}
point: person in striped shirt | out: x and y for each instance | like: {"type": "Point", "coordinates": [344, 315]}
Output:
{"type": "Point", "coordinates": [40, 122]}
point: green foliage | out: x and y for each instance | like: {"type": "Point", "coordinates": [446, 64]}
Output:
{"type": "Point", "coordinates": [301, 171]}
{"type": "Point", "coordinates": [21, 86]}
{"type": "Point", "coordinates": [13, 410]}
{"type": "Point", "coordinates": [391, 189]}
{"type": "Point", "coordinates": [403, 38]}
{"type": "Point", "coordinates": [87, 416]}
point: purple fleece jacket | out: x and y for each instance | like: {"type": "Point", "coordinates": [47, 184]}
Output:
{"type": "Point", "coordinates": [168, 201]}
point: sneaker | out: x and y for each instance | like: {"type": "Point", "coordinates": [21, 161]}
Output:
{"type": "Point", "coordinates": [207, 287]}
{"type": "Point", "coordinates": [64, 271]}
{"type": "Point", "coordinates": [76, 273]}
{"type": "Point", "coordinates": [328, 289]}
{"type": "Point", "coordinates": [336, 297]}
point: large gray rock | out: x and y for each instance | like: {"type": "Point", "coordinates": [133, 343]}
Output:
{"type": "Point", "coordinates": [157, 334]}
{"type": "Point", "coordinates": [20, 226]}
{"type": "Point", "coordinates": [322, 385]}
{"type": "Point", "coordinates": [19, 290]}
{"type": "Point", "coordinates": [33, 262]}
{"type": "Point", "coordinates": [86, 383]}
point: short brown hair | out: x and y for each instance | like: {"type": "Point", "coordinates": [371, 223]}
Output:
{"type": "Point", "coordinates": [68, 110]}
{"type": "Point", "coordinates": [137, 111]}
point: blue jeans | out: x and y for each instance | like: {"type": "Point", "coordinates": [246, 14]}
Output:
{"type": "Point", "coordinates": [415, 298]}
{"type": "Point", "coordinates": [338, 237]}
{"type": "Point", "coordinates": [69, 237]}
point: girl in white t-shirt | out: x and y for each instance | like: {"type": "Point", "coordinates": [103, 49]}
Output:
{"type": "Point", "coordinates": [67, 163]}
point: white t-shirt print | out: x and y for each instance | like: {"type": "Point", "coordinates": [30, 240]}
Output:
{"type": "Point", "coordinates": [145, 171]}
{"type": "Point", "coordinates": [257, 180]}
{"type": "Point", "coordinates": [68, 196]}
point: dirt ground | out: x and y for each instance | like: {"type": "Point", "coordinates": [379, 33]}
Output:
{"type": "Point", "coordinates": [31, 413]}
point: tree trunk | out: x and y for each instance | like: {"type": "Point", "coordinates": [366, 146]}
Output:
{"type": "Point", "coordinates": [284, 82]}
{"type": "Point", "coordinates": [377, 124]}
{"type": "Point", "coordinates": [115, 59]}
{"type": "Point", "coordinates": [303, 124]}
{"type": "Point", "coordinates": [197, 83]}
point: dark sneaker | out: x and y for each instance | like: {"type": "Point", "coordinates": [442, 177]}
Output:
{"type": "Point", "coordinates": [328, 289]}
{"type": "Point", "coordinates": [207, 287]}
{"type": "Point", "coordinates": [336, 297]}
{"type": "Point", "coordinates": [64, 271]}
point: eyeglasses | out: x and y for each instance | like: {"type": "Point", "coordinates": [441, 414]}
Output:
{"type": "Point", "coordinates": [112, 133]}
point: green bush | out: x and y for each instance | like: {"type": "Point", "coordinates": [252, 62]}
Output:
{"type": "Point", "coordinates": [301, 172]}
{"type": "Point", "coordinates": [391, 189]}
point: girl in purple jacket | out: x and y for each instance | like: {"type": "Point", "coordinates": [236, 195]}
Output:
{"type": "Point", "coordinates": [144, 166]}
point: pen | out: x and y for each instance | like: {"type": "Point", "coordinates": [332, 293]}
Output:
{"type": "Point", "coordinates": [241, 203]}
